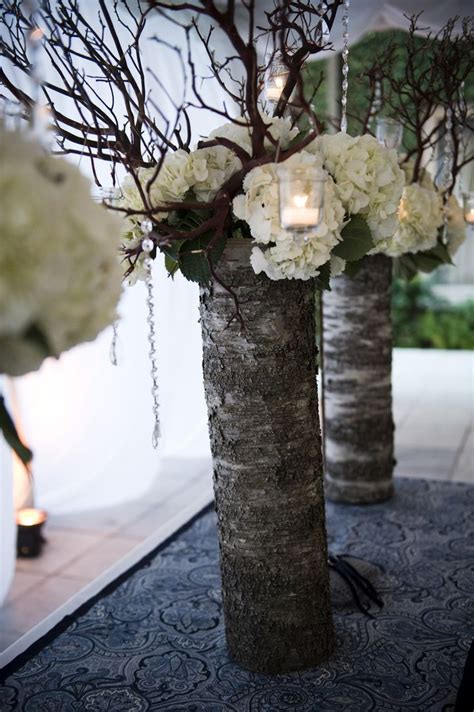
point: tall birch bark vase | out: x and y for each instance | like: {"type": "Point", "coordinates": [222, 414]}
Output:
{"type": "Point", "coordinates": [268, 480]}
{"type": "Point", "coordinates": [357, 371]}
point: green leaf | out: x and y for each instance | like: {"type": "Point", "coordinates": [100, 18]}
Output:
{"type": "Point", "coordinates": [352, 268]}
{"type": "Point", "coordinates": [36, 336]}
{"type": "Point", "coordinates": [187, 220]}
{"type": "Point", "coordinates": [356, 240]}
{"type": "Point", "coordinates": [405, 267]}
{"type": "Point", "coordinates": [171, 265]}
{"type": "Point", "coordinates": [193, 261]}
{"type": "Point", "coordinates": [441, 251]}
{"type": "Point", "coordinates": [10, 433]}
{"type": "Point", "coordinates": [324, 276]}
{"type": "Point", "coordinates": [427, 262]}
{"type": "Point", "coordinates": [241, 229]}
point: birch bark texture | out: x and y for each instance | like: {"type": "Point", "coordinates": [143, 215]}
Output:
{"type": "Point", "coordinates": [260, 384]}
{"type": "Point", "coordinates": [357, 371]}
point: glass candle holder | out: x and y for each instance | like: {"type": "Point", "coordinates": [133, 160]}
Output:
{"type": "Point", "coordinates": [301, 194]}
{"type": "Point", "coordinates": [389, 132]}
{"type": "Point", "coordinates": [30, 539]}
{"type": "Point", "coordinates": [11, 115]}
{"type": "Point", "coordinates": [468, 208]}
{"type": "Point", "coordinates": [275, 79]}
{"type": "Point", "coordinates": [108, 196]}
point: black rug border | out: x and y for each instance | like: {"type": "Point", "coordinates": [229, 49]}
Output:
{"type": "Point", "coordinates": [36, 647]}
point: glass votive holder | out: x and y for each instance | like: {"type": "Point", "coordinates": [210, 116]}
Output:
{"type": "Point", "coordinates": [109, 196]}
{"type": "Point", "coordinates": [468, 208]}
{"type": "Point", "coordinates": [30, 539]}
{"type": "Point", "coordinates": [11, 115]}
{"type": "Point", "coordinates": [301, 196]}
{"type": "Point", "coordinates": [276, 77]}
{"type": "Point", "coordinates": [389, 132]}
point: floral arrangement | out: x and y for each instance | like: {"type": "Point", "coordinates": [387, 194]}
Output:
{"type": "Point", "coordinates": [60, 277]}
{"type": "Point", "coordinates": [431, 228]}
{"type": "Point", "coordinates": [362, 181]}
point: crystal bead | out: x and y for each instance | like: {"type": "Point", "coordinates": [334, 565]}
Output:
{"type": "Point", "coordinates": [345, 70]}
{"type": "Point", "coordinates": [147, 244]}
{"type": "Point", "coordinates": [146, 226]}
{"type": "Point", "coordinates": [344, 101]}
{"type": "Point", "coordinates": [148, 263]}
{"type": "Point", "coordinates": [345, 85]}
{"type": "Point", "coordinates": [347, 3]}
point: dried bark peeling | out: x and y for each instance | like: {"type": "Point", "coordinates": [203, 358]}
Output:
{"type": "Point", "coordinates": [358, 423]}
{"type": "Point", "coordinates": [261, 395]}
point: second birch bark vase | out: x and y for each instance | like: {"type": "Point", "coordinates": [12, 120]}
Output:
{"type": "Point", "coordinates": [268, 482]}
{"type": "Point", "coordinates": [357, 371]}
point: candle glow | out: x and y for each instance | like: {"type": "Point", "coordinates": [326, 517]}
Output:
{"type": "Point", "coordinates": [29, 517]}
{"type": "Point", "coordinates": [468, 208]}
{"type": "Point", "coordinates": [301, 191]}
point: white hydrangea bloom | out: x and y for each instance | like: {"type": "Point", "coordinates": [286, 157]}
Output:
{"type": "Point", "coordinates": [368, 178]}
{"type": "Point", "coordinates": [287, 255]}
{"type": "Point", "coordinates": [457, 232]}
{"type": "Point", "coordinates": [420, 217]}
{"type": "Point", "coordinates": [211, 168]}
{"type": "Point", "coordinates": [279, 128]}
{"type": "Point", "coordinates": [59, 265]}
{"type": "Point", "coordinates": [170, 184]}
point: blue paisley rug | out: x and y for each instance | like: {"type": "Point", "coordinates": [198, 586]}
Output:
{"type": "Point", "coordinates": [156, 642]}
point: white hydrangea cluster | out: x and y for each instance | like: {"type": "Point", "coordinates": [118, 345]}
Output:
{"type": "Point", "coordinates": [204, 171]}
{"type": "Point", "coordinates": [287, 255]}
{"type": "Point", "coordinates": [280, 129]}
{"type": "Point", "coordinates": [368, 178]}
{"type": "Point", "coordinates": [420, 216]}
{"type": "Point", "coordinates": [60, 277]}
{"type": "Point", "coordinates": [456, 232]}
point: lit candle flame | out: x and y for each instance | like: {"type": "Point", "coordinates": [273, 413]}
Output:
{"type": "Point", "coordinates": [29, 517]}
{"type": "Point", "coordinates": [300, 200]}
{"type": "Point", "coordinates": [37, 34]}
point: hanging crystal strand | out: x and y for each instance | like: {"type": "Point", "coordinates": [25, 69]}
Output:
{"type": "Point", "coordinates": [114, 345]}
{"type": "Point", "coordinates": [444, 178]}
{"type": "Point", "coordinates": [460, 114]}
{"type": "Point", "coordinates": [40, 114]}
{"type": "Point", "coordinates": [345, 65]}
{"type": "Point", "coordinates": [377, 102]}
{"type": "Point", "coordinates": [147, 247]}
{"type": "Point", "coordinates": [111, 196]}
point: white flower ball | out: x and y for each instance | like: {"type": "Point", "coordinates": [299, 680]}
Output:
{"type": "Point", "coordinates": [60, 277]}
{"type": "Point", "coordinates": [168, 185]}
{"type": "Point", "coordinates": [287, 255]}
{"type": "Point", "coordinates": [456, 232]}
{"type": "Point", "coordinates": [420, 217]}
{"type": "Point", "coordinates": [280, 129]}
{"type": "Point", "coordinates": [368, 179]}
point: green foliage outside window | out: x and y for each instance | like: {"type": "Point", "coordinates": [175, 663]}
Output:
{"type": "Point", "coordinates": [423, 320]}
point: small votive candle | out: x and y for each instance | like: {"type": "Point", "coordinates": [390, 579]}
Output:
{"type": "Point", "coordinates": [301, 192]}
{"type": "Point", "coordinates": [389, 132]}
{"type": "Point", "coordinates": [468, 208]}
{"type": "Point", "coordinates": [275, 79]}
{"type": "Point", "coordinates": [30, 538]}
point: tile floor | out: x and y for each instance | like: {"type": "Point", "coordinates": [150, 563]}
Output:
{"type": "Point", "coordinates": [434, 414]}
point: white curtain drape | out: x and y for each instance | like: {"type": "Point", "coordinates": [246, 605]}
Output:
{"type": "Point", "coordinates": [90, 423]}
